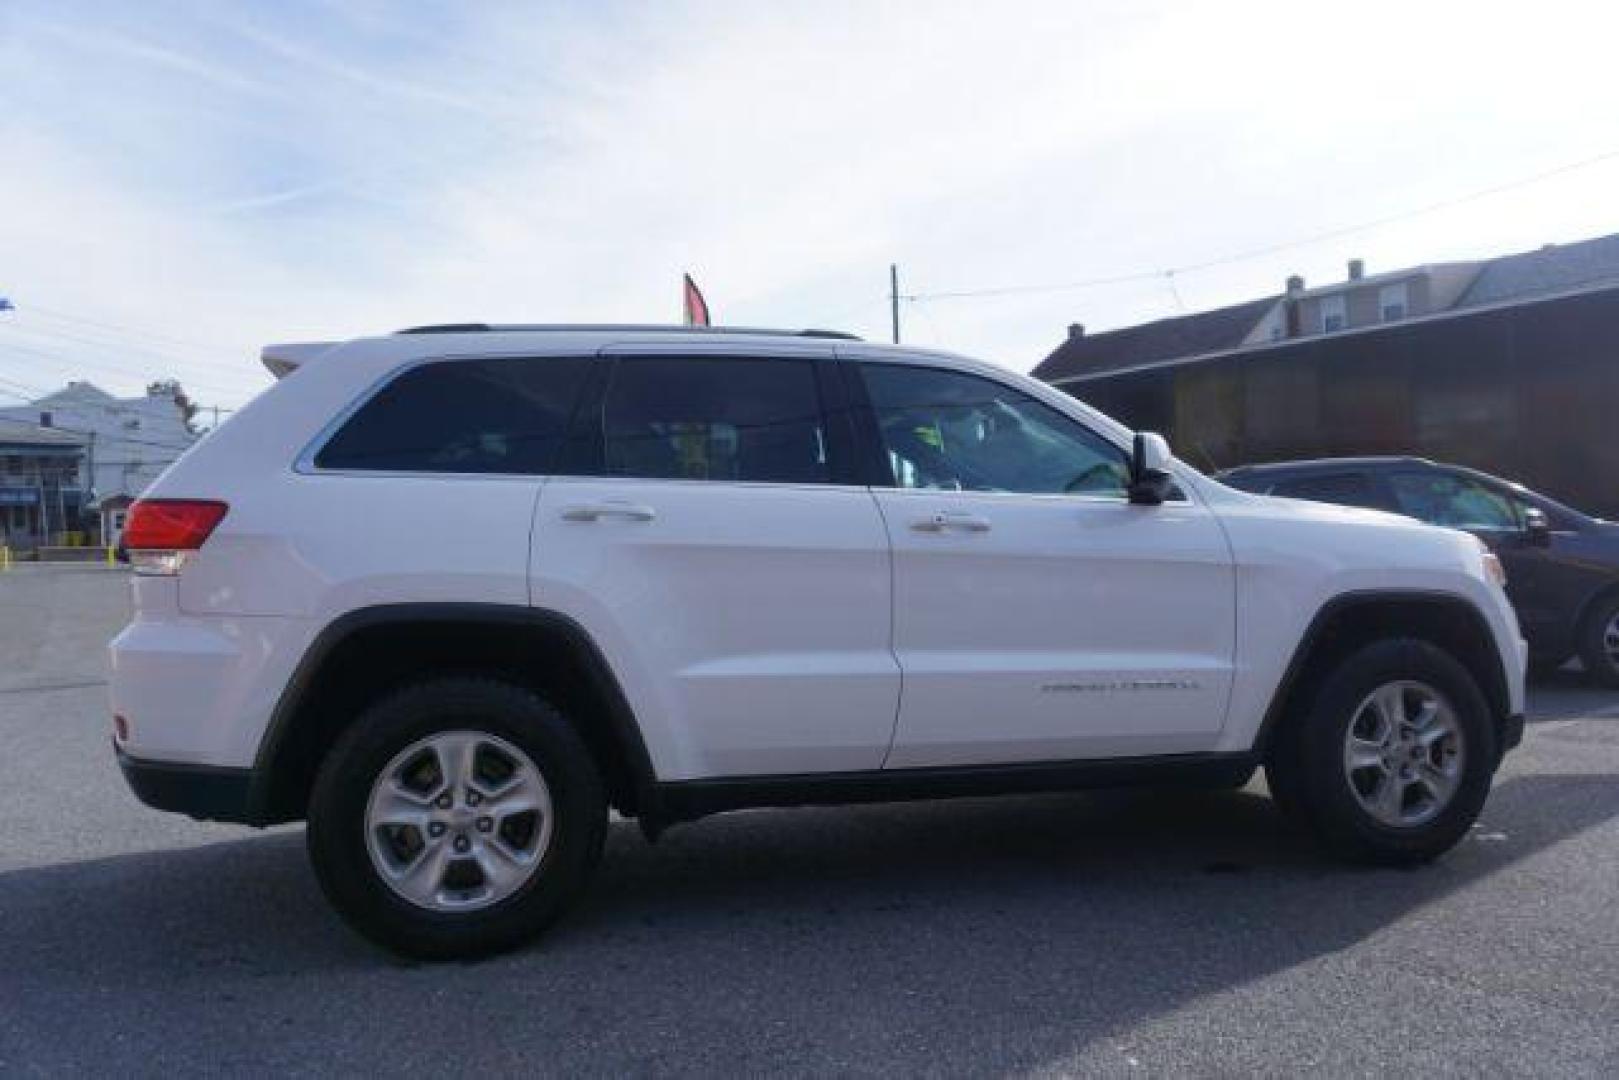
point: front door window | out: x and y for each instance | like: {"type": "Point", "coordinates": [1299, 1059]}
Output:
{"type": "Point", "coordinates": [1458, 502]}
{"type": "Point", "coordinates": [949, 431]}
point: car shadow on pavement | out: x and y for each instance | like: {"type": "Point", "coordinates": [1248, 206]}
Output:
{"type": "Point", "coordinates": [1000, 932]}
{"type": "Point", "coordinates": [1568, 692]}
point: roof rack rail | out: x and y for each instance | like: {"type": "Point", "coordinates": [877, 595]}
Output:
{"type": "Point", "coordinates": [482, 328]}
{"type": "Point", "coordinates": [447, 328]}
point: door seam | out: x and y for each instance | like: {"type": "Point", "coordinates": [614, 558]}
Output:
{"type": "Point", "coordinates": [893, 628]}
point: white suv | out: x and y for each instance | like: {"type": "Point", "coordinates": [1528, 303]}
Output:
{"type": "Point", "coordinates": [454, 593]}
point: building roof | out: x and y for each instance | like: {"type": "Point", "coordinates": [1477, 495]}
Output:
{"type": "Point", "coordinates": [134, 438]}
{"type": "Point", "coordinates": [1554, 268]}
{"type": "Point", "coordinates": [78, 393]}
{"type": "Point", "coordinates": [23, 433]}
{"type": "Point", "coordinates": [1549, 271]}
{"type": "Point", "coordinates": [1185, 335]}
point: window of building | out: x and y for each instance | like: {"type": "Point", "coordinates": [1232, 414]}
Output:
{"type": "Point", "coordinates": [1443, 498]}
{"type": "Point", "coordinates": [462, 416]}
{"type": "Point", "coordinates": [1392, 301]}
{"type": "Point", "coordinates": [956, 432]}
{"type": "Point", "coordinates": [1344, 489]}
{"type": "Point", "coordinates": [1333, 313]}
{"type": "Point", "coordinates": [721, 419]}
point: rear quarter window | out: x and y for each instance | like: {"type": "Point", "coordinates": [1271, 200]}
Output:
{"type": "Point", "coordinates": [462, 416]}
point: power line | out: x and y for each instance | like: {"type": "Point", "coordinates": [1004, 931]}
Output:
{"type": "Point", "coordinates": [166, 355]}
{"type": "Point", "coordinates": [52, 352]}
{"type": "Point", "coordinates": [1268, 249]}
{"type": "Point", "coordinates": [31, 395]}
{"type": "Point", "coordinates": [123, 329]}
{"type": "Point", "coordinates": [110, 438]}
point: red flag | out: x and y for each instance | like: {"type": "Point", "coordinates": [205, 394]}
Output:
{"type": "Point", "coordinates": [696, 306]}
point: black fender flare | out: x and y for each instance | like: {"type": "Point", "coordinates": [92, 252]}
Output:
{"type": "Point", "coordinates": [1494, 689]}
{"type": "Point", "coordinates": [620, 718]}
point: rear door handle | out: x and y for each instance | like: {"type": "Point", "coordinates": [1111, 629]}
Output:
{"type": "Point", "coordinates": [951, 519]}
{"type": "Point", "coordinates": [609, 508]}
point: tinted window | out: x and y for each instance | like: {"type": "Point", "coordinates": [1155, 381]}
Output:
{"type": "Point", "coordinates": [715, 419]}
{"type": "Point", "coordinates": [1441, 498]}
{"type": "Point", "coordinates": [1345, 489]}
{"type": "Point", "coordinates": [462, 416]}
{"type": "Point", "coordinates": [958, 432]}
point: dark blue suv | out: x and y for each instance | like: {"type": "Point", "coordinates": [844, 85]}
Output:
{"type": "Point", "coordinates": [1562, 566]}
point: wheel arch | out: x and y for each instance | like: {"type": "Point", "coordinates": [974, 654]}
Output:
{"type": "Point", "coordinates": [1350, 620]}
{"type": "Point", "coordinates": [1591, 605]}
{"type": "Point", "coordinates": [366, 652]}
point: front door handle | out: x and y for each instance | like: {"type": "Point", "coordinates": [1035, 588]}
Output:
{"type": "Point", "coordinates": [609, 508]}
{"type": "Point", "coordinates": [951, 519]}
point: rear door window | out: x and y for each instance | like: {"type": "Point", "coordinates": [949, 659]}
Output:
{"type": "Point", "coordinates": [1343, 489]}
{"type": "Point", "coordinates": [463, 416]}
{"type": "Point", "coordinates": [725, 419]}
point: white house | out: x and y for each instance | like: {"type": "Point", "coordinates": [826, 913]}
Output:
{"type": "Point", "coordinates": [127, 442]}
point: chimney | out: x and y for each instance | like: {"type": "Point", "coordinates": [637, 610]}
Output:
{"type": "Point", "coordinates": [1357, 269]}
{"type": "Point", "coordinates": [1076, 331]}
{"type": "Point", "coordinates": [1293, 321]}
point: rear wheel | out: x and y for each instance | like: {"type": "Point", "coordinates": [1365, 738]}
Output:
{"type": "Point", "coordinates": [1599, 642]}
{"type": "Point", "coordinates": [457, 818]}
{"type": "Point", "coordinates": [1392, 761]}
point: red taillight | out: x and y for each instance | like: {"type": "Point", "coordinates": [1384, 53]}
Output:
{"type": "Point", "coordinates": [171, 524]}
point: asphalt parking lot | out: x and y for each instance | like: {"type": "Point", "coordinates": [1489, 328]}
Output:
{"type": "Point", "coordinates": [1141, 933]}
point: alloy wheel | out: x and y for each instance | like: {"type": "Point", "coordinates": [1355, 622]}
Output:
{"type": "Point", "coordinates": [1403, 753]}
{"type": "Point", "coordinates": [458, 821]}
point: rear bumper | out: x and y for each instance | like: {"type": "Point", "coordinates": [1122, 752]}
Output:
{"type": "Point", "coordinates": [204, 792]}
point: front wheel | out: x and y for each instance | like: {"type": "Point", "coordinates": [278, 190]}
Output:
{"type": "Point", "coordinates": [1599, 642]}
{"type": "Point", "coordinates": [456, 818]}
{"type": "Point", "coordinates": [1393, 760]}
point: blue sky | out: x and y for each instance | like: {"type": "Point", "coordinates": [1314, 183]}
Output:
{"type": "Point", "coordinates": [182, 182]}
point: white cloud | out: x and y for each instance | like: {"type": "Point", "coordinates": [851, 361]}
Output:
{"type": "Point", "coordinates": [235, 176]}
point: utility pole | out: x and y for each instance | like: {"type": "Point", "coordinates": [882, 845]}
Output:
{"type": "Point", "coordinates": [893, 297]}
{"type": "Point", "coordinates": [44, 506]}
{"type": "Point", "coordinates": [87, 485]}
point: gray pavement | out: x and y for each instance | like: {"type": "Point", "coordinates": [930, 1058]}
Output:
{"type": "Point", "coordinates": [1141, 933]}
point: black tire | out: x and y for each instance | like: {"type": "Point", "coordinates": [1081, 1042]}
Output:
{"type": "Point", "coordinates": [1600, 666]}
{"type": "Point", "coordinates": [337, 840]}
{"type": "Point", "coordinates": [1306, 769]}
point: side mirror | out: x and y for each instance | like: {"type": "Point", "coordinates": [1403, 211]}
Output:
{"type": "Point", "coordinates": [1150, 481]}
{"type": "Point", "coordinates": [1537, 530]}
